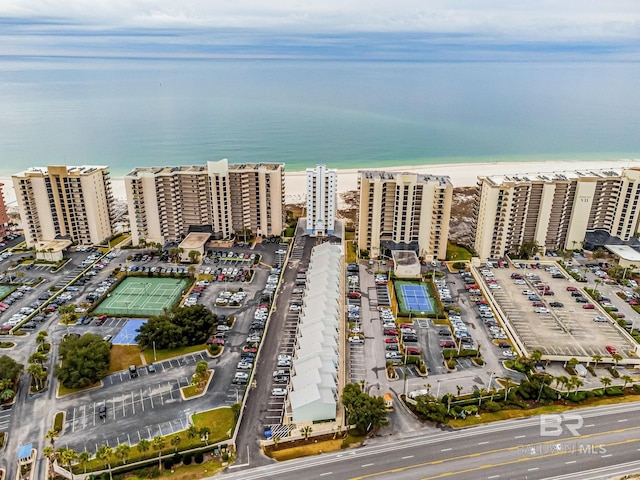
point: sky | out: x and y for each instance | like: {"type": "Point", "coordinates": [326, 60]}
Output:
{"type": "Point", "coordinates": [324, 29]}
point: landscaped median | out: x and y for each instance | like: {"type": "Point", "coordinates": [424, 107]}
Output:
{"type": "Point", "coordinates": [198, 388]}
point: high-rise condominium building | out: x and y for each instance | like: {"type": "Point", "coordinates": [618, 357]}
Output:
{"type": "Point", "coordinates": [62, 202]}
{"type": "Point", "coordinates": [404, 211]}
{"type": "Point", "coordinates": [322, 200]}
{"type": "Point", "coordinates": [554, 210]}
{"type": "Point", "coordinates": [4, 217]}
{"type": "Point", "coordinates": [166, 202]}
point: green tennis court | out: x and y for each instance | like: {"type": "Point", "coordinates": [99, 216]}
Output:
{"type": "Point", "coordinates": [139, 297]}
{"type": "Point", "coordinates": [4, 291]}
{"type": "Point", "coordinates": [415, 298]}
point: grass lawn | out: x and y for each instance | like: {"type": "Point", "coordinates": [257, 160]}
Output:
{"type": "Point", "coordinates": [220, 420]}
{"type": "Point", "coordinates": [193, 390]}
{"type": "Point", "coordinates": [457, 254]}
{"type": "Point", "coordinates": [282, 454]}
{"type": "Point", "coordinates": [57, 421]}
{"type": "Point", "coordinates": [7, 344]}
{"type": "Point", "coordinates": [351, 251]}
{"type": "Point", "coordinates": [124, 355]}
{"type": "Point", "coordinates": [171, 353]}
{"type": "Point", "coordinates": [185, 472]}
{"type": "Point", "coordinates": [509, 414]}
{"type": "Point", "coordinates": [62, 390]}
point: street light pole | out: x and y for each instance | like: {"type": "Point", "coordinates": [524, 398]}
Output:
{"type": "Point", "coordinates": [490, 380]}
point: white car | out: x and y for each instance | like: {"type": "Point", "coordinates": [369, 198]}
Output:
{"type": "Point", "coordinates": [222, 328]}
{"type": "Point", "coordinates": [283, 358]}
{"type": "Point", "coordinates": [244, 366]}
{"type": "Point", "coordinates": [356, 339]}
{"type": "Point", "coordinates": [279, 392]}
{"type": "Point", "coordinates": [242, 375]}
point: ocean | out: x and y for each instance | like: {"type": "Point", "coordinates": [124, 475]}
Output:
{"type": "Point", "coordinates": [129, 113]}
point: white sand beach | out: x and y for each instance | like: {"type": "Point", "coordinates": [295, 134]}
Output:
{"type": "Point", "coordinates": [462, 175]}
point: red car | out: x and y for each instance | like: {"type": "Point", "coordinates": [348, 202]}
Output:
{"type": "Point", "coordinates": [391, 340]}
{"type": "Point", "coordinates": [548, 292]}
{"type": "Point", "coordinates": [588, 306]}
{"type": "Point", "coordinates": [354, 295]}
{"type": "Point", "coordinates": [634, 302]}
{"type": "Point", "coordinates": [611, 349]}
{"type": "Point", "coordinates": [391, 332]}
{"type": "Point", "coordinates": [571, 289]}
{"type": "Point", "coordinates": [538, 304]}
{"type": "Point", "coordinates": [406, 325]}
{"type": "Point", "coordinates": [249, 349]}
{"type": "Point", "coordinates": [413, 351]}
{"type": "Point", "coordinates": [447, 344]}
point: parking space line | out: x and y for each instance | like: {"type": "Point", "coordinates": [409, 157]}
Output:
{"type": "Point", "coordinates": [124, 412]}
{"type": "Point", "coordinates": [133, 404]}
{"type": "Point", "coordinates": [73, 423]}
{"type": "Point", "coordinates": [141, 400]}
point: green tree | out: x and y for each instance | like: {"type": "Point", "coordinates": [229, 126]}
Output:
{"type": "Point", "coordinates": [616, 357]}
{"type": "Point", "coordinates": [67, 456]}
{"type": "Point", "coordinates": [38, 373]}
{"type": "Point", "coordinates": [573, 362]}
{"type": "Point", "coordinates": [535, 356]}
{"type": "Point", "coordinates": [83, 459]}
{"type": "Point", "coordinates": [306, 431]}
{"type": "Point", "coordinates": [192, 431]}
{"type": "Point", "coordinates": [627, 379]}
{"type": "Point", "coordinates": [194, 255]}
{"type": "Point", "coordinates": [175, 441]}
{"type": "Point", "coordinates": [143, 446]}
{"type": "Point", "coordinates": [204, 434]}
{"type": "Point", "coordinates": [606, 381]}
{"type": "Point", "coordinates": [10, 369]}
{"type": "Point", "coordinates": [51, 435]}
{"type": "Point", "coordinates": [179, 327]}
{"type": "Point", "coordinates": [363, 411]}
{"type": "Point", "coordinates": [41, 339]}
{"type": "Point", "coordinates": [105, 454]}
{"type": "Point", "coordinates": [122, 452]}
{"type": "Point", "coordinates": [84, 360]}
{"type": "Point", "coordinates": [459, 389]}
{"type": "Point", "coordinates": [68, 314]}
{"type": "Point", "coordinates": [158, 444]}
{"type": "Point", "coordinates": [596, 359]}
{"type": "Point", "coordinates": [38, 357]}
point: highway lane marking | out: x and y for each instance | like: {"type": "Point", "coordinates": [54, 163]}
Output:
{"type": "Point", "coordinates": [366, 465]}
{"type": "Point", "coordinates": [408, 456]}
{"type": "Point", "coordinates": [326, 473]}
{"type": "Point", "coordinates": [520, 436]}
{"type": "Point", "coordinates": [478, 454]}
{"type": "Point", "coordinates": [607, 455]}
{"type": "Point", "coordinates": [482, 443]}
{"type": "Point", "coordinates": [445, 449]}
{"type": "Point", "coordinates": [569, 462]}
{"type": "Point", "coordinates": [533, 469]}
{"type": "Point", "coordinates": [623, 420]}
{"type": "Point", "coordinates": [589, 426]}
{"type": "Point", "coordinates": [493, 476]}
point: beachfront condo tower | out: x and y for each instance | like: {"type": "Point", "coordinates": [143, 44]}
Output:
{"type": "Point", "coordinates": [65, 203]}
{"type": "Point", "coordinates": [554, 210]}
{"type": "Point", "coordinates": [166, 203]}
{"type": "Point", "coordinates": [322, 200]}
{"type": "Point", "coordinates": [404, 211]}
{"type": "Point", "coordinates": [4, 217]}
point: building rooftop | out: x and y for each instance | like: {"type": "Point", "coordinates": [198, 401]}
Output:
{"type": "Point", "coordinates": [551, 176]}
{"type": "Point", "coordinates": [405, 257]}
{"type": "Point", "coordinates": [54, 245]}
{"type": "Point", "coordinates": [194, 241]}
{"type": "Point", "coordinates": [71, 170]}
{"type": "Point", "coordinates": [625, 252]}
{"type": "Point", "coordinates": [189, 169]}
{"type": "Point", "coordinates": [393, 176]}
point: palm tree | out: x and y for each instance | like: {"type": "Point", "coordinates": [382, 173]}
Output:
{"type": "Point", "coordinates": [158, 444]}
{"type": "Point", "coordinates": [616, 358]}
{"type": "Point", "coordinates": [204, 434]}
{"type": "Point", "coordinates": [428, 387]}
{"type": "Point", "coordinates": [573, 361]}
{"type": "Point", "coordinates": [276, 439]}
{"type": "Point", "coordinates": [38, 357]}
{"type": "Point", "coordinates": [627, 379]}
{"type": "Point", "coordinates": [122, 452]}
{"type": "Point", "coordinates": [41, 339]}
{"type": "Point", "coordinates": [49, 452]}
{"type": "Point", "coordinates": [143, 446]}
{"type": "Point", "coordinates": [175, 441]}
{"type": "Point", "coordinates": [38, 373]}
{"type": "Point", "coordinates": [51, 435]}
{"type": "Point", "coordinates": [596, 359]}
{"type": "Point", "coordinates": [459, 389]}
{"type": "Point", "coordinates": [105, 453]}
{"type": "Point", "coordinates": [306, 431]}
{"type": "Point", "coordinates": [535, 356]}
{"type": "Point", "coordinates": [606, 381]}
{"type": "Point", "coordinates": [192, 431]}
{"type": "Point", "coordinates": [84, 458]}
{"type": "Point", "coordinates": [569, 385]}
{"type": "Point", "coordinates": [577, 383]}
{"type": "Point", "coordinates": [508, 384]}
{"type": "Point", "coordinates": [67, 456]}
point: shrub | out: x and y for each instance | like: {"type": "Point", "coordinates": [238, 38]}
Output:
{"type": "Point", "coordinates": [198, 457]}
{"type": "Point", "coordinates": [613, 391]}
{"type": "Point", "coordinates": [177, 458]}
{"type": "Point", "coordinates": [168, 464]}
{"type": "Point", "coordinates": [225, 457]}
{"type": "Point", "coordinates": [492, 406]}
{"type": "Point", "coordinates": [636, 388]}
{"type": "Point", "coordinates": [187, 459]}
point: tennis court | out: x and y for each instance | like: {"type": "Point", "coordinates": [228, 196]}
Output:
{"type": "Point", "coordinates": [413, 298]}
{"type": "Point", "coordinates": [128, 334]}
{"type": "Point", "coordinates": [142, 296]}
{"type": "Point", "coordinates": [4, 291]}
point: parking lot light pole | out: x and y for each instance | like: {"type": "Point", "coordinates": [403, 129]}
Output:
{"type": "Point", "coordinates": [490, 380]}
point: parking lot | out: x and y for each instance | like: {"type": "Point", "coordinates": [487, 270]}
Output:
{"type": "Point", "coordinates": [553, 315]}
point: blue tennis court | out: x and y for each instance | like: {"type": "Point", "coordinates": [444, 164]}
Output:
{"type": "Point", "coordinates": [415, 298]}
{"type": "Point", "coordinates": [128, 334]}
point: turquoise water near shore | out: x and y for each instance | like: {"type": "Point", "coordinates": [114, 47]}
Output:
{"type": "Point", "coordinates": [131, 113]}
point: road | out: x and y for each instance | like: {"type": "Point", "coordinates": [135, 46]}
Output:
{"type": "Point", "coordinates": [607, 444]}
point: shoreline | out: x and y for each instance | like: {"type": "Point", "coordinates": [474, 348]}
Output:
{"type": "Point", "coordinates": [461, 174]}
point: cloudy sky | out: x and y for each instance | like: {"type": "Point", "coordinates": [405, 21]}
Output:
{"type": "Point", "coordinates": [367, 29]}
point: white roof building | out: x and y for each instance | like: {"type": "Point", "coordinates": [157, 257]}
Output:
{"type": "Point", "coordinates": [314, 385]}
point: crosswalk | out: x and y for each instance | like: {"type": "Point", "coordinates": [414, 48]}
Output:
{"type": "Point", "coordinates": [5, 419]}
